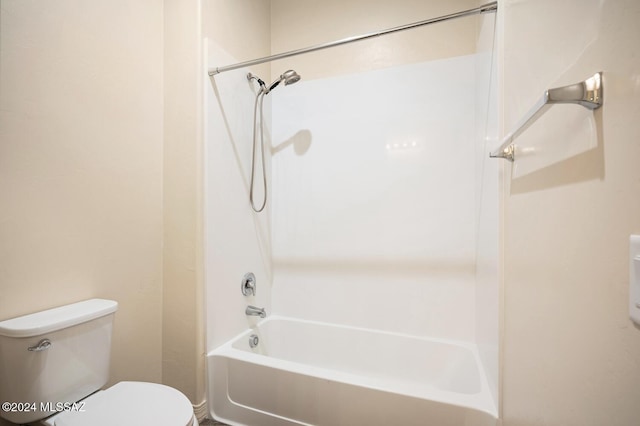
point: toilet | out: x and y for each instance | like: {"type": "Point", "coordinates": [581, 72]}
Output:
{"type": "Point", "coordinates": [54, 364]}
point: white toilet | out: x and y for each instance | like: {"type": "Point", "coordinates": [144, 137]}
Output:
{"type": "Point", "coordinates": [53, 364]}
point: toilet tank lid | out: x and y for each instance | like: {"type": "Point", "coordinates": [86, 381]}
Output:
{"type": "Point", "coordinates": [57, 318]}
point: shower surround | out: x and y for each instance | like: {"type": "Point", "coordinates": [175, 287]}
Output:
{"type": "Point", "coordinates": [382, 219]}
{"type": "Point", "coordinates": [374, 223]}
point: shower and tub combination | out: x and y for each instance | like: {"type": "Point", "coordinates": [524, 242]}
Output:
{"type": "Point", "coordinates": [366, 302]}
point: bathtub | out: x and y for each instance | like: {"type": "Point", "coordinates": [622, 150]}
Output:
{"type": "Point", "coordinates": [312, 373]}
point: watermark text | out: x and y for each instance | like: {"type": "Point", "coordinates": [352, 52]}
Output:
{"type": "Point", "coordinates": [47, 407]}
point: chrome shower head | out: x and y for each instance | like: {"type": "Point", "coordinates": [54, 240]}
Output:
{"type": "Point", "coordinates": [289, 77]}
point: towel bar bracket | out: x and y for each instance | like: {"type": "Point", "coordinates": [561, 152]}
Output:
{"type": "Point", "coordinates": [588, 93]}
{"type": "Point", "coordinates": [507, 153]}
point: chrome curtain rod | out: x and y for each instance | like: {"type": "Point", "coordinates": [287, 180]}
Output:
{"type": "Point", "coordinates": [486, 8]}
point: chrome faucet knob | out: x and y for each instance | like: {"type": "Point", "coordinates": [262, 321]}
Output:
{"type": "Point", "coordinates": [248, 284]}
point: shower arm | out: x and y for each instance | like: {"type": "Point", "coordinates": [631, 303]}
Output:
{"type": "Point", "coordinates": [587, 93]}
{"type": "Point", "coordinates": [485, 8]}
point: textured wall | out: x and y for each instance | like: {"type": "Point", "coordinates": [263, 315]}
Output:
{"type": "Point", "coordinates": [81, 166]}
{"type": "Point", "coordinates": [182, 306]}
{"type": "Point", "coordinates": [571, 354]}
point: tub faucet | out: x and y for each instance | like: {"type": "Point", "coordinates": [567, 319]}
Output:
{"type": "Point", "coordinates": [254, 311]}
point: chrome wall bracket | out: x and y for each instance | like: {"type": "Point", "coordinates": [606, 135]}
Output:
{"type": "Point", "coordinates": [506, 153]}
{"type": "Point", "coordinates": [588, 93]}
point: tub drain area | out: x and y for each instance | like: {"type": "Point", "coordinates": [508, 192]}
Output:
{"type": "Point", "coordinates": [253, 340]}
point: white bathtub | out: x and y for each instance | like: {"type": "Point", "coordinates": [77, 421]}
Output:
{"type": "Point", "coordinates": [311, 373]}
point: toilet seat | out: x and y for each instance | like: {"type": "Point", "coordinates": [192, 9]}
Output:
{"type": "Point", "coordinates": [131, 404]}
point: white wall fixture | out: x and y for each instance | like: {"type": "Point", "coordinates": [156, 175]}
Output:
{"type": "Point", "coordinates": [634, 278]}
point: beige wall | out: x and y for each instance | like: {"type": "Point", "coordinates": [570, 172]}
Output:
{"type": "Point", "coordinates": [297, 24]}
{"type": "Point", "coordinates": [182, 307]}
{"type": "Point", "coordinates": [571, 354]}
{"type": "Point", "coordinates": [88, 113]}
{"type": "Point", "coordinates": [241, 27]}
{"type": "Point", "coordinates": [81, 166]}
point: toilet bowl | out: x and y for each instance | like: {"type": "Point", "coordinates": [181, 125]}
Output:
{"type": "Point", "coordinates": [129, 403]}
{"type": "Point", "coordinates": [54, 364]}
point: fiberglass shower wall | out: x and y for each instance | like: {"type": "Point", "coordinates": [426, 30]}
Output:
{"type": "Point", "coordinates": [374, 218]}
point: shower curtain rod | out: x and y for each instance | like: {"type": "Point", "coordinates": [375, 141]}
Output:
{"type": "Point", "coordinates": [486, 8]}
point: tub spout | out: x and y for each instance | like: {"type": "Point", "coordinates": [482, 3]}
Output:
{"type": "Point", "coordinates": [255, 311]}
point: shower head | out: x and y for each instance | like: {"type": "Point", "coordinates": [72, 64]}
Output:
{"type": "Point", "coordinates": [289, 77]}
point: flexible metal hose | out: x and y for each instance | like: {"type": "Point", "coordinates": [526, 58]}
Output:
{"type": "Point", "coordinates": [259, 101]}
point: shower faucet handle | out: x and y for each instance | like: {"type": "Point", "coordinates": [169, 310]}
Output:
{"type": "Point", "coordinates": [248, 285]}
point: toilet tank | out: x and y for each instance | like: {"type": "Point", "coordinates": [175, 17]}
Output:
{"type": "Point", "coordinates": [55, 356]}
